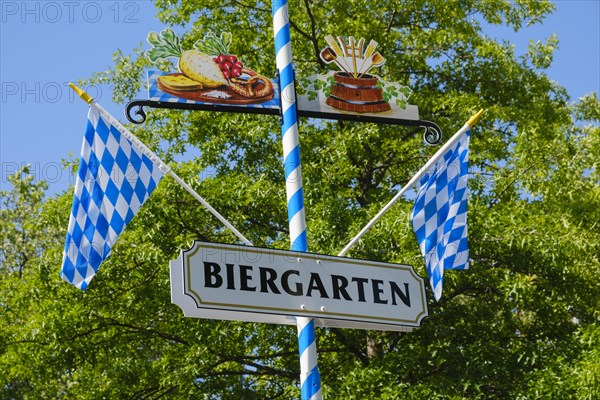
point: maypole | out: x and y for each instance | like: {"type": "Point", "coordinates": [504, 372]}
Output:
{"type": "Point", "coordinates": [309, 371]}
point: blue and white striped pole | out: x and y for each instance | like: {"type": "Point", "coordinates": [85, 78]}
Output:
{"type": "Point", "coordinates": [310, 380]}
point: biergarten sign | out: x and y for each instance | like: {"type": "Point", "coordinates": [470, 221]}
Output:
{"type": "Point", "coordinates": [254, 284]}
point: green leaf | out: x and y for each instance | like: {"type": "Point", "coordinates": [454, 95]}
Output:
{"type": "Point", "coordinates": [212, 45]}
{"type": "Point", "coordinates": [226, 39]}
{"type": "Point", "coordinates": [170, 37]}
{"type": "Point", "coordinates": [153, 38]}
{"type": "Point", "coordinates": [164, 45]}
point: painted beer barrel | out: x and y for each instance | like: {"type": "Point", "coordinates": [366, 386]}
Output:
{"type": "Point", "coordinates": [356, 94]}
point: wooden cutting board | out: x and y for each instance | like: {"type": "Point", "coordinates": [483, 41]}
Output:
{"type": "Point", "coordinates": [221, 95]}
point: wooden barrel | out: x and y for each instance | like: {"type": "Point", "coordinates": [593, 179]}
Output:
{"type": "Point", "coordinates": [356, 94]}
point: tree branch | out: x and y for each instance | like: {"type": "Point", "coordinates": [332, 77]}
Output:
{"type": "Point", "coordinates": [314, 34]}
{"type": "Point", "coordinates": [349, 346]}
{"type": "Point", "coordinates": [148, 330]}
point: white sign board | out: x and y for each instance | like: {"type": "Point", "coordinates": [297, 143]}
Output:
{"type": "Point", "coordinates": [253, 284]}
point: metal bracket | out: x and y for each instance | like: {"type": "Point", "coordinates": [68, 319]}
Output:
{"type": "Point", "coordinates": [140, 104]}
{"type": "Point", "coordinates": [432, 134]}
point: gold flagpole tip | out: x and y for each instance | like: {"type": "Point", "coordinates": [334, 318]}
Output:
{"type": "Point", "coordinates": [81, 93]}
{"type": "Point", "coordinates": [473, 120]}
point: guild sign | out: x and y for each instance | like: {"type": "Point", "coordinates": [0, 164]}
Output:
{"type": "Point", "coordinates": [207, 76]}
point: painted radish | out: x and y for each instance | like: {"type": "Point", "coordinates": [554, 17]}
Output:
{"type": "Point", "coordinates": [201, 68]}
{"type": "Point", "coordinates": [210, 64]}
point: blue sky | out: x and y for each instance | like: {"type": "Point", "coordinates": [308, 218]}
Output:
{"type": "Point", "coordinates": [46, 44]}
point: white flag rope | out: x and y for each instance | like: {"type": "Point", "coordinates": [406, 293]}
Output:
{"type": "Point", "coordinates": [154, 158]}
{"type": "Point", "coordinates": [451, 142]}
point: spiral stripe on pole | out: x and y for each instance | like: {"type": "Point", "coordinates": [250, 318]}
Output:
{"type": "Point", "coordinates": [310, 380]}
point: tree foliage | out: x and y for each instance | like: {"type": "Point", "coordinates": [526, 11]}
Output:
{"type": "Point", "coordinates": [523, 322]}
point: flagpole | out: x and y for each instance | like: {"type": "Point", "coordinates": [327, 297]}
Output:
{"type": "Point", "coordinates": [310, 381]}
{"type": "Point", "coordinates": [155, 159]}
{"type": "Point", "coordinates": [451, 142]}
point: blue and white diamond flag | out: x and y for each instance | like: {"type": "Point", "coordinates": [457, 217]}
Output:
{"type": "Point", "coordinates": [114, 179]}
{"type": "Point", "coordinates": [439, 216]}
